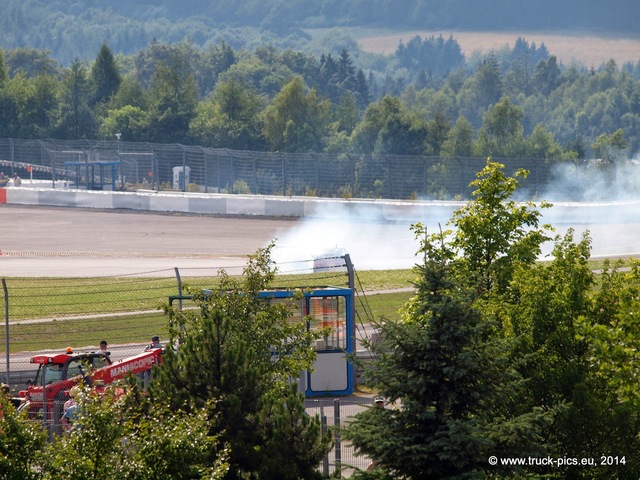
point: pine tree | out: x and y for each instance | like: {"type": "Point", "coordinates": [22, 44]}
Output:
{"type": "Point", "coordinates": [104, 76]}
{"type": "Point", "coordinates": [453, 380]}
{"type": "Point", "coordinates": [226, 363]}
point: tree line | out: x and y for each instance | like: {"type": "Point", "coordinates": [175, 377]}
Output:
{"type": "Point", "coordinates": [515, 103]}
{"type": "Point", "coordinates": [78, 28]}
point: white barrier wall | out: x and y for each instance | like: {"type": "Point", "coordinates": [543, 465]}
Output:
{"type": "Point", "coordinates": [295, 207]}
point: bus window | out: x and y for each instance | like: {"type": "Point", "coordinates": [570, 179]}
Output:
{"type": "Point", "coordinates": [295, 305]}
{"type": "Point", "coordinates": [329, 314]}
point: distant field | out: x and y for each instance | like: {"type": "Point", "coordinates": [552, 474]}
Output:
{"type": "Point", "coordinates": [568, 47]}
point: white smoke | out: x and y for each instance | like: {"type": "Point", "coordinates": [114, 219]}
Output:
{"type": "Point", "coordinates": [377, 234]}
{"type": "Point", "coordinates": [603, 200]}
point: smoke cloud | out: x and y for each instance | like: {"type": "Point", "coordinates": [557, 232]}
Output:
{"type": "Point", "coordinates": [378, 235]}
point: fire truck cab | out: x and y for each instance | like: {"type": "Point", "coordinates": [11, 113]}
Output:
{"type": "Point", "coordinates": [56, 368]}
{"type": "Point", "coordinates": [57, 373]}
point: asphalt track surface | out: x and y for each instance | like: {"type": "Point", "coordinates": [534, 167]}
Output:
{"type": "Point", "coordinates": [38, 241]}
{"type": "Point", "coordinates": [59, 241]}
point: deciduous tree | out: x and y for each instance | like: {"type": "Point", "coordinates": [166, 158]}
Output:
{"type": "Point", "coordinates": [235, 357]}
{"type": "Point", "coordinates": [297, 120]}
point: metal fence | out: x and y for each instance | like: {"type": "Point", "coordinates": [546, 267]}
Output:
{"type": "Point", "coordinates": [125, 310]}
{"type": "Point", "coordinates": [87, 164]}
{"type": "Point", "coordinates": [335, 415]}
{"type": "Point", "coordinates": [51, 314]}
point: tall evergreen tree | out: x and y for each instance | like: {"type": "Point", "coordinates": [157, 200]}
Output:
{"type": "Point", "coordinates": [104, 76]}
{"type": "Point", "coordinates": [455, 387]}
{"type": "Point", "coordinates": [76, 118]}
{"type": "Point", "coordinates": [235, 354]}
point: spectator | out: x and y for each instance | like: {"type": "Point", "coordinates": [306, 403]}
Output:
{"type": "Point", "coordinates": [70, 409]}
{"type": "Point", "coordinates": [155, 343]}
{"type": "Point", "coordinates": [16, 180]}
{"type": "Point", "coordinates": [103, 347]}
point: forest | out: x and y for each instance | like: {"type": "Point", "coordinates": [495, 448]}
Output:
{"type": "Point", "coordinates": [518, 102]}
{"type": "Point", "coordinates": [72, 29]}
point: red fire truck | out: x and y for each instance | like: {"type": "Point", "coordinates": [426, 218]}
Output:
{"type": "Point", "coordinates": [45, 397]}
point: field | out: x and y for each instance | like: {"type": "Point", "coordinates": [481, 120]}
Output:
{"type": "Point", "coordinates": [569, 47]}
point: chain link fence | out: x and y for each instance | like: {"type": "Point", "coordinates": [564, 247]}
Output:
{"type": "Point", "coordinates": [45, 315]}
{"type": "Point", "coordinates": [106, 164]}
{"type": "Point", "coordinates": [51, 314]}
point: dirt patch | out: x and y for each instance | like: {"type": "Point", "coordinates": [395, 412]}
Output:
{"type": "Point", "coordinates": [586, 48]}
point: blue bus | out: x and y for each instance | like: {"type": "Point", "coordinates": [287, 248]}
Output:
{"type": "Point", "coordinates": [331, 310]}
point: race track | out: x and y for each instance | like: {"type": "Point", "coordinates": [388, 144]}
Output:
{"type": "Point", "coordinates": [61, 241]}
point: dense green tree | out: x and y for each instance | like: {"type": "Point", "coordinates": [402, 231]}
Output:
{"type": "Point", "coordinates": [44, 104]}
{"type": "Point", "coordinates": [158, 55]}
{"type": "Point", "coordinates": [31, 62]}
{"type": "Point", "coordinates": [28, 106]}
{"type": "Point", "coordinates": [131, 92]}
{"type": "Point", "coordinates": [546, 75]}
{"type": "Point", "coordinates": [389, 127]}
{"type": "Point", "coordinates": [18, 96]}
{"type": "Point", "coordinates": [104, 76]}
{"type": "Point", "coordinates": [76, 119]}
{"type": "Point", "coordinates": [346, 117]}
{"type": "Point", "coordinates": [451, 386]}
{"type": "Point", "coordinates": [347, 114]}
{"type": "Point", "coordinates": [610, 147]}
{"type": "Point", "coordinates": [437, 132]}
{"type": "Point", "coordinates": [521, 62]}
{"type": "Point", "coordinates": [229, 119]}
{"type": "Point", "coordinates": [173, 96]}
{"type": "Point", "coordinates": [129, 121]}
{"type": "Point", "coordinates": [480, 91]}
{"type": "Point", "coordinates": [494, 233]}
{"type": "Point", "coordinates": [21, 443]}
{"type": "Point", "coordinates": [502, 133]}
{"type": "Point", "coordinates": [580, 345]}
{"type": "Point", "coordinates": [118, 433]}
{"type": "Point", "coordinates": [541, 144]}
{"type": "Point", "coordinates": [4, 72]}
{"type": "Point", "coordinates": [459, 142]}
{"type": "Point", "coordinates": [296, 120]}
{"type": "Point", "coordinates": [455, 382]}
{"type": "Point", "coordinates": [244, 348]}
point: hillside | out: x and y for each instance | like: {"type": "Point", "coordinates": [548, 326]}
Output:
{"type": "Point", "coordinates": [77, 29]}
{"type": "Point", "coordinates": [589, 49]}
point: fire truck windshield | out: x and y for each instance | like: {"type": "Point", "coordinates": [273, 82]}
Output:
{"type": "Point", "coordinates": [50, 373]}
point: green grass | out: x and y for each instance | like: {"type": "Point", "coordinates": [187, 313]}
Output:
{"type": "Point", "coordinates": [387, 305]}
{"type": "Point", "coordinates": [385, 279]}
{"type": "Point", "coordinates": [138, 301]}
{"type": "Point", "coordinates": [60, 334]}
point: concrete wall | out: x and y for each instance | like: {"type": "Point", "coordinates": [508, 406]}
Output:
{"type": "Point", "coordinates": [297, 207]}
{"type": "Point", "coordinates": [225, 204]}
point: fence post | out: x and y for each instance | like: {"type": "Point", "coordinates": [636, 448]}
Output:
{"type": "Point", "coordinates": [6, 320]}
{"type": "Point", "coordinates": [325, 458]}
{"type": "Point", "coordinates": [338, 447]}
{"type": "Point", "coordinates": [12, 155]}
{"type": "Point", "coordinates": [179, 279]}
